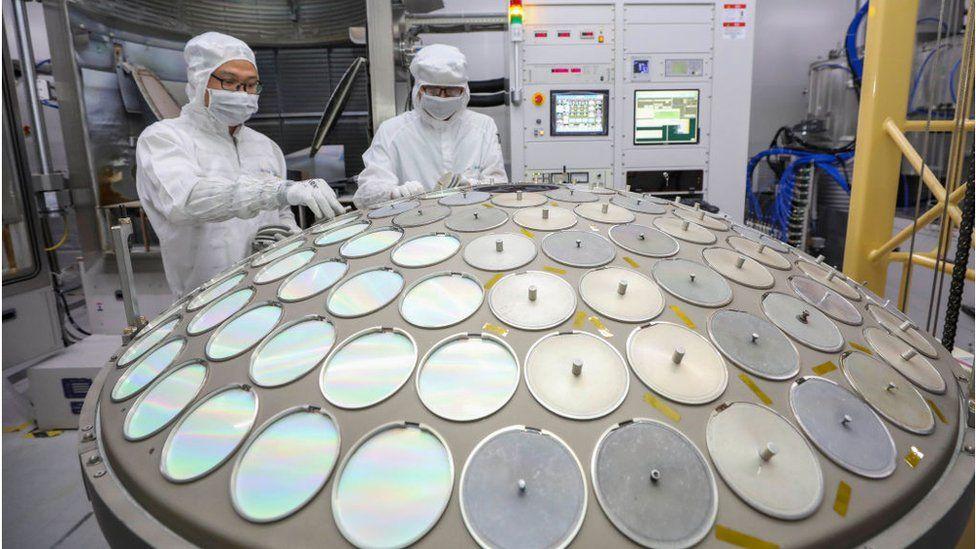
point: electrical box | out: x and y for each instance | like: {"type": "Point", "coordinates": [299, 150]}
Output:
{"type": "Point", "coordinates": [650, 95]}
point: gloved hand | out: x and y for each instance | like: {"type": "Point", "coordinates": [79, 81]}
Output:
{"type": "Point", "coordinates": [268, 235]}
{"type": "Point", "coordinates": [314, 193]}
{"type": "Point", "coordinates": [410, 188]}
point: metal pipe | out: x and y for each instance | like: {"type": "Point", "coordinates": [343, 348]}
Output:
{"type": "Point", "coordinates": [30, 76]}
{"type": "Point", "coordinates": [120, 238]}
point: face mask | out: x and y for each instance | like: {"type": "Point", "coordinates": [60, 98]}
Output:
{"type": "Point", "coordinates": [232, 108]}
{"type": "Point", "coordinates": [441, 108]}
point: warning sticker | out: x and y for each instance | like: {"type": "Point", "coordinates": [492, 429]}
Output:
{"type": "Point", "coordinates": [734, 21]}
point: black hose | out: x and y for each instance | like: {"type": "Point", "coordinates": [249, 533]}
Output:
{"type": "Point", "coordinates": [487, 86]}
{"type": "Point", "coordinates": [959, 269]}
{"type": "Point", "coordinates": [488, 99]}
{"type": "Point", "coordinates": [67, 312]}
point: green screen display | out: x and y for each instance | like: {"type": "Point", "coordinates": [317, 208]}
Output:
{"type": "Point", "coordinates": [665, 117]}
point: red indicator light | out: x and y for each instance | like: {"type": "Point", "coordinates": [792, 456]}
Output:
{"type": "Point", "coordinates": [563, 34]}
{"type": "Point", "coordinates": [560, 71]}
{"type": "Point", "coordinates": [587, 35]}
{"type": "Point", "coordinates": [541, 34]}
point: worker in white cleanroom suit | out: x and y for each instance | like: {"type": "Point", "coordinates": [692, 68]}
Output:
{"type": "Point", "coordinates": [209, 183]}
{"type": "Point", "coordinates": [440, 135]}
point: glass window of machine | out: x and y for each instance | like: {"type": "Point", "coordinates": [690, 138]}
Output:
{"type": "Point", "coordinates": [579, 112]}
{"type": "Point", "coordinates": [665, 117]}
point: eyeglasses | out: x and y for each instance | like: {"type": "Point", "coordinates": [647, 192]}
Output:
{"type": "Point", "coordinates": [253, 88]}
{"type": "Point", "coordinates": [444, 91]}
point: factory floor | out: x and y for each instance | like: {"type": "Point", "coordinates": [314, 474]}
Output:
{"type": "Point", "coordinates": [44, 501]}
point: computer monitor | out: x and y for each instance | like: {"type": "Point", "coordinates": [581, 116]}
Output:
{"type": "Point", "coordinates": [579, 112]}
{"type": "Point", "coordinates": [665, 117]}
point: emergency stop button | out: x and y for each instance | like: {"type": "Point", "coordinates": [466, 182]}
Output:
{"type": "Point", "coordinates": [538, 99]}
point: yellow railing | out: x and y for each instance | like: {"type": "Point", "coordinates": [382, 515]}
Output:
{"type": "Point", "coordinates": [882, 144]}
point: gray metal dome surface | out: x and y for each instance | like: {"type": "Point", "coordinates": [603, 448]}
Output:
{"type": "Point", "coordinates": [602, 384]}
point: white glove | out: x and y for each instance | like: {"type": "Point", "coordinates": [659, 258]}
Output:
{"type": "Point", "coordinates": [314, 193]}
{"type": "Point", "coordinates": [410, 188]}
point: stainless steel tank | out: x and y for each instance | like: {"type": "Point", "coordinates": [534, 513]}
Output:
{"type": "Point", "coordinates": [528, 366]}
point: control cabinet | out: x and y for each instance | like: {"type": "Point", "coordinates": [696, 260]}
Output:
{"type": "Point", "coordinates": [654, 96]}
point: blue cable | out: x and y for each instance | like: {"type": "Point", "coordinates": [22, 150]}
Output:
{"type": "Point", "coordinates": [850, 42]}
{"type": "Point", "coordinates": [952, 79]}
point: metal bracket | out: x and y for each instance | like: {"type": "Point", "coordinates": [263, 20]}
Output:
{"type": "Point", "coordinates": [120, 239]}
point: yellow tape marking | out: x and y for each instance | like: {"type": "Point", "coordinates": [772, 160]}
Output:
{"type": "Point", "coordinates": [494, 329]}
{"type": "Point", "coordinates": [914, 457]}
{"type": "Point", "coordinates": [17, 428]}
{"type": "Point", "coordinates": [554, 203]}
{"type": "Point", "coordinates": [935, 409]}
{"type": "Point", "coordinates": [660, 406]}
{"type": "Point", "coordinates": [491, 282]}
{"type": "Point", "coordinates": [755, 389]}
{"type": "Point", "coordinates": [594, 228]}
{"type": "Point", "coordinates": [528, 233]}
{"type": "Point", "coordinates": [861, 348]}
{"type": "Point", "coordinates": [825, 368]}
{"type": "Point", "coordinates": [579, 320]}
{"type": "Point", "coordinates": [728, 535]}
{"type": "Point", "coordinates": [842, 499]}
{"type": "Point", "coordinates": [44, 434]}
{"type": "Point", "coordinates": [684, 318]}
{"type": "Point", "coordinates": [554, 270]}
{"type": "Point", "coordinates": [600, 327]}
{"type": "Point", "coordinates": [487, 205]}
{"type": "Point", "coordinates": [630, 261]}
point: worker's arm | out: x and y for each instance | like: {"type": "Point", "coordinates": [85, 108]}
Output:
{"type": "Point", "coordinates": [378, 178]}
{"type": "Point", "coordinates": [170, 178]}
{"type": "Point", "coordinates": [493, 161]}
{"type": "Point", "coordinates": [285, 215]}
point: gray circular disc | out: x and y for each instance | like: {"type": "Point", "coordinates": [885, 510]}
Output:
{"type": "Point", "coordinates": [511, 300]}
{"type": "Point", "coordinates": [890, 394]}
{"type": "Point", "coordinates": [685, 230]}
{"type": "Point", "coordinates": [739, 268]}
{"type": "Point", "coordinates": [903, 329]}
{"type": "Point", "coordinates": [902, 357]}
{"type": "Point", "coordinates": [464, 198]}
{"type": "Point", "coordinates": [761, 238]}
{"type": "Point", "coordinates": [692, 282]}
{"type": "Point", "coordinates": [591, 188]}
{"type": "Point", "coordinates": [701, 217]}
{"type": "Point", "coordinates": [440, 300]}
{"type": "Point", "coordinates": [424, 215]}
{"type": "Point", "coordinates": [754, 344]}
{"type": "Point", "coordinates": [643, 240]}
{"type": "Point", "coordinates": [760, 252]}
{"type": "Point", "coordinates": [621, 294]}
{"type": "Point", "coordinates": [843, 427]}
{"type": "Point", "coordinates": [499, 252]}
{"type": "Point", "coordinates": [802, 322]}
{"type": "Point", "coordinates": [597, 388]}
{"type": "Point", "coordinates": [638, 204]}
{"type": "Point", "coordinates": [568, 194]}
{"type": "Point", "coordinates": [477, 220]}
{"type": "Point", "coordinates": [830, 302]}
{"type": "Point", "coordinates": [578, 248]}
{"type": "Point", "coordinates": [829, 277]}
{"type": "Point", "coordinates": [604, 212]}
{"type": "Point", "coordinates": [677, 509]}
{"type": "Point", "coordinates": [522, 487]}
{"type": "Point", "coordinates": [390, 210]}
{"type": "Point", "coordinates": [519, 199]}
{"type": "Point", "coordinates": [677, 363]}
{"type": "Point", "coordinates": [335, 223]}
{"type": "Point", "coordinates": [545, 218]}
{"type": "Point", "coordinates": [765, 460]}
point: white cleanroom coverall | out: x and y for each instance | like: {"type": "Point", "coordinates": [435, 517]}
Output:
{"type": "Point", "coordinates": [206, 191]}
{"type": "Point", "coordinates": [411, 151]}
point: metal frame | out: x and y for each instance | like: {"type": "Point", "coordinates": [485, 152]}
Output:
{"type": "Point", "coordinates": [881, 145]}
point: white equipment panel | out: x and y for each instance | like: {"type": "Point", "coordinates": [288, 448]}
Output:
{"type": "Point", "coordinates": [647, 95]}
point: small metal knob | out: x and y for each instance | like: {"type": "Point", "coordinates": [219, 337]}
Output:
{"type": "Point", "coordinates": [521, 485]}
{"type": "Point", "coordinates": [804, 317]}
{"type": "Point", "coordinates": [499, 245]}
{"type": "Point", "coordinates": [762, 248]}
{"type": "Point", "coordinates": [655, 475]}
{"type": "Point", "coordinates": [678, 355]}
{"type": "Point", "coordinates": [768, 451]}
{"type": "Point", "coordinates": [685, 225]}
{"type": "Point", "coordinates": [846, 420]}
{"type": "Point", "coordinates": [518, 195]}
{"type": "Point", "coordinates": [605, 207]}
{"type": "Point", "coordinates": [577, 367]}
{"type": "Point", "coordinates": [622, 287]}
{"type": "Point", "coordinates": [545, 213]}
{"type": "Point", "coordinates": [755, 337]}
{"type": "Point", "coordinates": [533, 293]}
{"type": "Point", "coordinates": [740, 262]}
{"type": "Point", "coordinates": [579, 243]}
{"type": "Point", "coordinates": [908, 354]}
{"type": "Point", "coordinates": [640, 236]}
